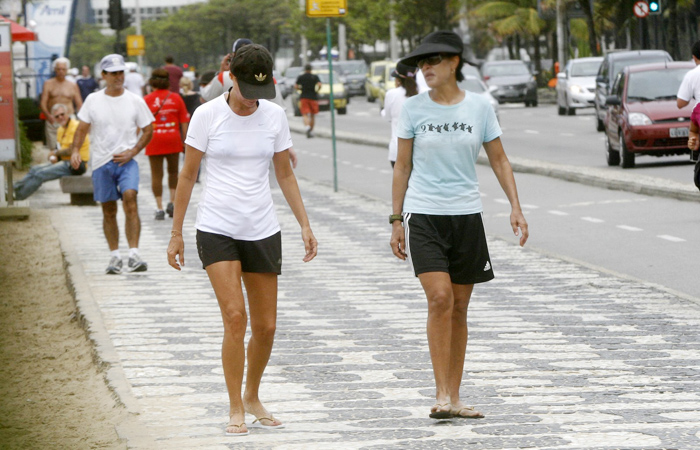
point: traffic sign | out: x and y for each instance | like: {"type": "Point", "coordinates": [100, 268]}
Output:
{"type": "Point", "coordinates": [135, 45]}
{"type": "Point", "coordinates": [326, 8]}
{"type": "Point", "coordinates": [641, 9]}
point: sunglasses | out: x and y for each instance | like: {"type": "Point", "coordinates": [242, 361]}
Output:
{"type": "Point", "coordinates": [432, 60]}
{"type": "Point", "coordinates": [58, 116]}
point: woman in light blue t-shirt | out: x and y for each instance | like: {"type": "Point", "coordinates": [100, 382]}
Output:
{"type": "Point", "coordinates": [437, 208]}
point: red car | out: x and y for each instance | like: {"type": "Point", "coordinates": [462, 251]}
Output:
{"type": "Point", "coordinates": [642, 117]}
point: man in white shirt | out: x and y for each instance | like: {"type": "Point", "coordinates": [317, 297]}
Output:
{"type": "Point", "coordinates": [690, 86]}
{"type": "Point", "coordinates": [133, 81]}
{"type": "Point", "coordinates": [114, 117]}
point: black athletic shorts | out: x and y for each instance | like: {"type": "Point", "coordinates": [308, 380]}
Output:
{"type": "Point", "coordinates": [453, 244]}
{"type": "Point", "coordinates": [263, 256]}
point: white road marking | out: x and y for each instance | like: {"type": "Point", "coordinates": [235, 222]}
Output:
{"type": "Point", "coordinates": [358, 166]}
{"type": "Point", "coordinates": [670, 238]}
{"type": "Point", "coordinates": [386, 172]}
{"type": "Point", "coordinates": [324, 156]}
{"type": "Point", "coordinates": [347, 163]}
{"type": "Point", "coordinates": [526, 206]}
{"type": "Point", "coordinates": [502, 201]}
{"type": "Point", "coordinates": [629, 228]}
{"type": "Point", "coordinates": [532, 132]}
{"type": "Point", "coordinates": [592, 219]}
{"type": "Point", "coordinates": [558, 213]}
{"type": "Point", "coordinates": [604, 202]}
{"type": "Point", "coordinates": [567, 134]}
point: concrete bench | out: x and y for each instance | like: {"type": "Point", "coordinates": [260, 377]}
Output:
{"type": "Point", "coordinates": [80, 189]}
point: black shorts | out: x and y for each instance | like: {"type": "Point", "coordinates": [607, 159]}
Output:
{"type": "Point", "coordinates": [453, 244]}
{"type": "Point", "coordinates": [263, 256]}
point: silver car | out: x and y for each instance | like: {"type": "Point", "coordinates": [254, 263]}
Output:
{"type": "Point", "coordinates": [576, 85]}
{"type": "Point", "coordinates": [474, 84]}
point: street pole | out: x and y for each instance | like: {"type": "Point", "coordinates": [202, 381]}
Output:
{"type": "Point", "coordinates": [342, 43]}
{"type": "Point", "coordinates": [331, 106]}
{"type": "Point", "coordinates": [304, 43]}
{"type": "Point", "coordinates": [393, 41]}
{"type": "Point", "coordinates": [139, 58]}
{"type": "Point", "coordinates": [560, 36]}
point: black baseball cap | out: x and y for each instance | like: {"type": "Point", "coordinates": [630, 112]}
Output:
{"type": "Point", "coordinates": [240, 43]}
{"type": "Point", "coordinates": [436, 42]}
{"type": "Point", "coordinates": [404, 71]}
{"type": "Point", "coordinates": [252, 67]}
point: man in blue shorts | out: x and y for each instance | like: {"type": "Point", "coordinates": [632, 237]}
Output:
{"type": "Point", "coordinates": [114, 117]}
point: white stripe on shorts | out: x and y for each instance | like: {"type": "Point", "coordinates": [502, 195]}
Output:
{"type": "Point", "coordinates": [407, 232]}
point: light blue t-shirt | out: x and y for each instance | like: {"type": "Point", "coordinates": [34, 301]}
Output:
{"type": "Point", "coordinates": [446, 143]}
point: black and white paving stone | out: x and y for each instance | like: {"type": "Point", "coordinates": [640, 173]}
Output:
{"type": "Point", "coordinates": [560, 356]}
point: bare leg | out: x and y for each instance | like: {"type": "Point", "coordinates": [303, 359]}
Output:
{"type": "Point", "coordinates": [461, 293]}
{"type": "Point", "coordinates": [173, 160]}
{"type": "Point", "coordinates": [133, 223]}
{"type": "Point", "coordinates": [156, 162]}
{"type": "Point", "coordinates": [438, 290]}
{"type": "Point", "coordinates": [109, 224]}
{"type": "Point", "coordinates": [262, 301]}
{"type": "Point", "coordinates": [312, 121]}
{"type": "Point", "coordinates": [225, 278]}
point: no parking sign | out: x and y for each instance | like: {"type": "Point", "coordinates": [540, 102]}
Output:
{"type": "Point", "coordinates": [641, 9]}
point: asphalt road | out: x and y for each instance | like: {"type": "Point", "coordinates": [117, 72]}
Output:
{"type": "Point", "coordinates": [652, 239]}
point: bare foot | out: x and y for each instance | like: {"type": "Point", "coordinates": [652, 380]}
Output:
{"type": "Point", "coordinates": [236, 425]}
{"type": "Point", "coordinates": [462, 411]}
{"type": "Point", "coordinates": [263, 418]}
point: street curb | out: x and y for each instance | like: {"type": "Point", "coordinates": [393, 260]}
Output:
{"type": "Point", "coordinates": [104, 353]}
{"type": "Point", "coordinates": [628, 181]}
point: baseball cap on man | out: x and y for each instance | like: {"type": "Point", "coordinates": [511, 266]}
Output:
{"type": "Point", "coordinates": [113, 63]}
{"type": "Point", "coordinates": [436, 42]}
{"type": "Point", "coordinates": [240, 43]}
{"type": "Point", "coordinates": [252, 67]}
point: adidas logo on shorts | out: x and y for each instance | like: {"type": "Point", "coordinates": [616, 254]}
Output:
{"type": "Point", "coordinates": [487, 267]}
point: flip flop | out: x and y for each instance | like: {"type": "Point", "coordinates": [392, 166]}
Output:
{"type": "Point", "coordinates": [239, 426]}
{"type": "Point", "coordinates": [437, 414]}
{"type": "Point", "coordinates": [457, 413]}
{"type": "Point", "coordinates": [258, 424]}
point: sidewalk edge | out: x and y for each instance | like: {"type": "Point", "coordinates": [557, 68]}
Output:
{"type": "Point", "coordinates": [104, 353]}
{"type": "Point", "coordinates": [644, 185]}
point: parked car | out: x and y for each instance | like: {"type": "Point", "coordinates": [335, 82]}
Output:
{"type": "Point", "coordinates": [474, 84]}
{"type": "Point", "coordinates": [355, 74]}
{"type": "Point", "coordinates": [290, 79]}
{"type": "Point", "coordinates": [280, 83]}
{"type": "Point", "coordinates": [642, 117]}
{"type": "Point", "coordinates": [510, 81]}
{"type": "Point", "coordinates": [576, 85]}
{"type": "Point", "coordinates": [385, 83]}
{"type": "Point", "coordinates": [340, 95]}
{"type": "Point", "coordinates": [612, 64]}
{"type": "Point", "coordinates": [379, 71]}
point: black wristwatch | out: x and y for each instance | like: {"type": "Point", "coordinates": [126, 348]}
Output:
{"type": "Point", "coordinates": [395, 217]}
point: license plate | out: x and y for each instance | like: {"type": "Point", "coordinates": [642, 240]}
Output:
{"type": "Point", "coordinates": [325, 102]}
{"type": "Point", "coordinates": [678, 132]}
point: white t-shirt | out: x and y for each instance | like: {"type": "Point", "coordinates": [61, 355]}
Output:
{"type": "Point", "coordinates": [690, 86]}
{"type": "Point", "coordinates": [420, 81]}
{"type": "Point", "coordinates": [133, 81]}
{"type": "Point", "coordinates": [236, 199]}
{"type": "Point", "coordinates": [393, 102]}
{"type": "Point", "coordinates": [114, 123]}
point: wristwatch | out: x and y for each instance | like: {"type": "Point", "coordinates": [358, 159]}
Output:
{"type": "Point", "coordinates": [395, 217]}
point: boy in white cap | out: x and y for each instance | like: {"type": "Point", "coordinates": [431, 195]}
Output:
{"type": "Point", "coordinates": [114, 116]}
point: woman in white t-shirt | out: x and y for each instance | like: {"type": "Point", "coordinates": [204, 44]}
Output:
{"type": "Point", "coordinates": [238, 235]}
{"type": "Point", "coordinates": [405, 81]}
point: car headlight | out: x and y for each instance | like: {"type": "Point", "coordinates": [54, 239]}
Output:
{"type": "Point", "coordinates": [636, 119]}
{"type": "Point", "coordinates": [576, 89]}
{"type": "Point", "coordinates": [493, 88]}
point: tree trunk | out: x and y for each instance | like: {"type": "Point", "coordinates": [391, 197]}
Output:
{"type": "Point", "coordinates": [673, 41]}
{"type": "Point", "coordinates": [587, 5]}
{"type": "Point", "coordinates": [538, 61]}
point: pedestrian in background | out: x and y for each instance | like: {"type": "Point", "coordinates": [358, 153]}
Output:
{"type": "Point", "coordinates": [86, 83]}
{"type": "Point", "coordinates": [174, 72]}
{"type": "Point", "coordinates": [435, 196]}
{"type": "Point", "coordinates": [405, 87]}
{"type": "Point", "coordinates": [309, 84]}
{"type": "Point", "coordinates": [59, 159]}
{"type": "Point", "coordinates": [690, 86]}
{"type": "Point", "coordinates": [169, 131]}
{"type": "Point", "coordinates": [58, 90]}
{"type": "Point", "coordinates": [238, 235]}
{"type": "Point", "coordinates": [120, 126]}
{"type": "Point", "coordinates": [133, 80]}
{"type": "Point", "coordinates": [191, 98]}
{"type": "Point", "coordinates": [221, 82]}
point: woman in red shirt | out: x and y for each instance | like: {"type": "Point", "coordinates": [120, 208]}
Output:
{"type": "Point", "coordinates": [169, 131]}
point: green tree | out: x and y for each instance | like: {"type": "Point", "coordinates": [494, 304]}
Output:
{"type": "Point", "coordinates": [89, 45]}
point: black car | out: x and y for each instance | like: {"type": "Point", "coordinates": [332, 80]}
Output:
{"type": "Point", "coordinates": [510, 81]}
{"type": "Point", "coordinates": [612, 64]}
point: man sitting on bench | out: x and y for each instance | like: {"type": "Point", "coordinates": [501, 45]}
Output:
{"type": "Point", "coordinates": [59, 158]}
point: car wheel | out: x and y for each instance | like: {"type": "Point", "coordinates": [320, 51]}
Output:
{"type": "Point", "coordinates": [612, 156]}
{"type": "Point", "coordinates": [561, 111]}
{"type": "Point", "coordinates": [626, 157]}
{"type": "Point", "coordinates": [599, 125]}
{"type": "Point", "coordinates": [571, 111]}
{"type": "Point", "coordinates": [533, 103]}
{"type": "Point", "coordinates": [342, 111]}
{"type": "Point", "coordinates": [527, 104]}
{"type": "Point", "coordinates": [370, 98]}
